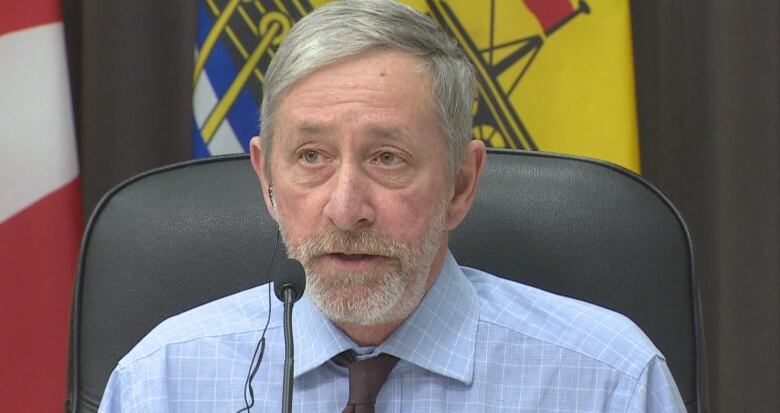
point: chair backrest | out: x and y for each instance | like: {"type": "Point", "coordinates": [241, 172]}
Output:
{"type": "Point", "coordinates": [179, 236]}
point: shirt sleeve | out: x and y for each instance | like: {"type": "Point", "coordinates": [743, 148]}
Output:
{"type": "Point", "coordinates": [656, 391]}
{"type": "Point", "coordinates": [117, 398]}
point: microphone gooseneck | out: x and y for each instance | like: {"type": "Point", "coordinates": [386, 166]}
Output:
{"type": "Point", "coordinates": [289, 284]}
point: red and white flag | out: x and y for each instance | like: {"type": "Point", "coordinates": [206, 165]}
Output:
{"type": "Point", "coordinates": [40, 207]}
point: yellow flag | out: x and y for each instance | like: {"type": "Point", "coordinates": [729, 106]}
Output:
{"type": "Point", "coordinates": [554, 75]}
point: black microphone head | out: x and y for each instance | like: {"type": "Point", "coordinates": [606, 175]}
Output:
{"type": "Point", "coordinates": [289, 273]}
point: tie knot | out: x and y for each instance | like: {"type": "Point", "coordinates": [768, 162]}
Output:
{"type": "Point", "coordinates": [366, 377]}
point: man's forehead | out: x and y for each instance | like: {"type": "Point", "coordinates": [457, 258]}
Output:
{"type": "Point", "coordinates": [389, 64]}
{"type": "Point", "coordinates": [385, 86]}
{"type": "Point", "coordinates": [309, 128]}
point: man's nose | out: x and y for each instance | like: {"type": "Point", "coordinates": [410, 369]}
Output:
{"type": "Point", "coordinates": [349, 205]}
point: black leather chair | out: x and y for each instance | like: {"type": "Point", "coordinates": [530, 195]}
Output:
{"type": "Point", "coordinates": [179, 236]}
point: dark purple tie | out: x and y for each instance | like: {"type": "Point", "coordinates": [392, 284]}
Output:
{"type": "Point", "coordinates": [366, 377]}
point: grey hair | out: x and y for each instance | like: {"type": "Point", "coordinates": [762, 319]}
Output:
{"type": "Point", "coordinates": [346, 28]}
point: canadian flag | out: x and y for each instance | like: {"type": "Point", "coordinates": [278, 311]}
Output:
{"type": "Point", "coordinates": [40, 207]}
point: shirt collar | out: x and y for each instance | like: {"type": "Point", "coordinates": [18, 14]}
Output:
{"type": "Point", "coordinates": [316, 339]}
{"type": "Point", "coordinates": [439, 336]}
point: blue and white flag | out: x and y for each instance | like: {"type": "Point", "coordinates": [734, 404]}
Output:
{"type": "Point", "coordinates": [235, 42]}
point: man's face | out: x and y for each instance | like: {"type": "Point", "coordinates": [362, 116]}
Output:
{"type": "Point", "coordinates": [358, 168]}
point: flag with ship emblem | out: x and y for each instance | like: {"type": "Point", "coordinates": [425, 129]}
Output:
{"type": "Point", "coordinates": [553, 75]}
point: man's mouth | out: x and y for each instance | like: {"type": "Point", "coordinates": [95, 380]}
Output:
{"type": "Point", "coordinates": [343, 261]}
{"type": "Point", "coordinates": [351, 257]}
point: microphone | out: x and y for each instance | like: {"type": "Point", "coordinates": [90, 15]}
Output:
{"type": "Point", "coordinates": [289, 275]}
{"type": "Point", "coordinates": [289, 283]}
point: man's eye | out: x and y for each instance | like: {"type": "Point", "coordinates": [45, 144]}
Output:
{"type": "Point", "coordinates": [386, 158]}
{"type": "Point", "coordinates": [311, 156]}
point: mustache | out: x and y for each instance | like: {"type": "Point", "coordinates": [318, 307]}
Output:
{"type": "Point", "coordinates": [361, 241]}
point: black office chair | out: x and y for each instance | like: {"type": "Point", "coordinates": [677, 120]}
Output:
{"type": "Point", "coordinates": [179, 236]}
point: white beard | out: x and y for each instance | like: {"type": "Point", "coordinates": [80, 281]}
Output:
{"type": "Point", "coordinates": [383, 294]}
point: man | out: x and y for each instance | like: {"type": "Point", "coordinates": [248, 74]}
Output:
{"type": "Point", "coordinates": [366, 163]}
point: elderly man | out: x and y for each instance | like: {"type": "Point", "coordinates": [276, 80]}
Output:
{"type": "Point", "coordinates": [366, 163]}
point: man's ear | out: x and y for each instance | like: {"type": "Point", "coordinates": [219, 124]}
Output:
{"type": "Point", "coordinates": [464, 188]}
{"type": "Point", "coordinates": [258, 163]}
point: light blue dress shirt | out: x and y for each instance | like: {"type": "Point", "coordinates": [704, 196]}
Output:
{"type": "Point", "coordinates": [476, 343]}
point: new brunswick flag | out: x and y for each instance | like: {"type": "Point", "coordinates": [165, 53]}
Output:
{"type": "Point", "coordinates": [553, 75]}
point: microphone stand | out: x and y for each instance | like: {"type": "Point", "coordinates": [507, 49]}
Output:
{"type": "Point", "coordinates": [289, 284]}
{"type": "Point", "coordinates": [289, 360]}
